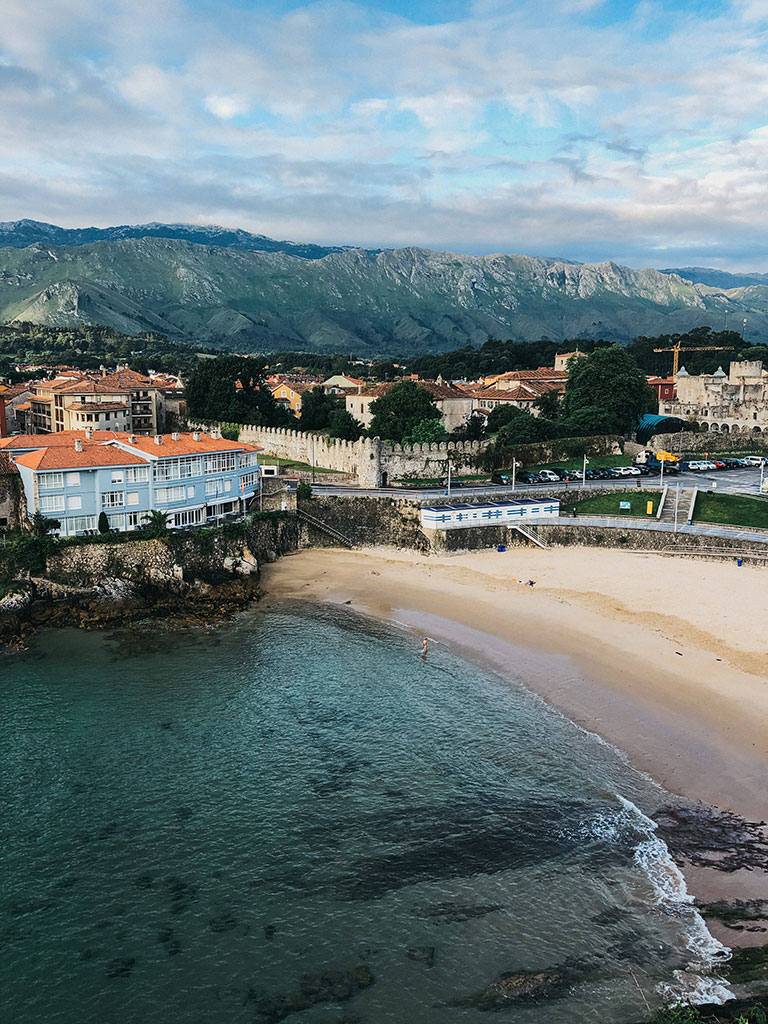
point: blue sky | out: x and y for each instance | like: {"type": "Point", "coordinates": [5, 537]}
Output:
{"type": "Point", "coordinates": [588, 129]}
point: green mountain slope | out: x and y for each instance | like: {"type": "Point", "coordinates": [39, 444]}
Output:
{"type": "Point", "coordinates": [395, 301]}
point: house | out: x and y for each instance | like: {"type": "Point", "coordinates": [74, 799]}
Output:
{"type": "Point", "coordinates": [561, 358]}
{"type": "Point", "coordinates": [75, 475]}
{"type": "Point", "coordinates": [9, 493]}
{"type": "Point", "coordinates": [720, 401]}
{"type": "Point", "coordinates": [340, 384]}
{"type": "Point", "coordinates": [664, 387]}
{"type": "Point", "coordinates": [289, 394]}
{"type": "Point", "coordinates": [453, 404]}
{"type": "Point", "coordinates": [122, 401]}
{"type": "Point", "coordinates": [16, 401]}
{"type": "Point", "coordinates": [511, 380]}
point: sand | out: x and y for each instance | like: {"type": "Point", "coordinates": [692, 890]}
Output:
{"type": "Point", "coordinates": [666, 658]}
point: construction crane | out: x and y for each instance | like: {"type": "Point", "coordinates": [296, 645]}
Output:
{"type": "Point", "coordinates": [677, 349]}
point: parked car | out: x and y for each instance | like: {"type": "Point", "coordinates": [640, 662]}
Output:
{"type": "Point", "coordinates": [548, 476]}
{"type": "Point", "coordinates": [611, 474]}
{"type": "Point", "coordinates": [643, 470]}
{"type": "Point", "coordinates": [627, 471]}
{"type": "Point", "coordinates": [528, 478]}
{"type": "Point", "coordinates": [734, 464]}
{"type": "Point", "coordinates": [456, 481]}
{"type": "Point", "coordinates": [505, 479]}
{"type": "Point", "coordinates": [753, 460]}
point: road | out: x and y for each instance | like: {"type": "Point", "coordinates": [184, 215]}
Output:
{"type": "Point", "coordinates": [728, 481]}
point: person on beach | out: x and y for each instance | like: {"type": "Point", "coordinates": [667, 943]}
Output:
{"type": "Point", "coordinates": [424, 646]}
{"type": "Point", "coordinates": [531, 583]}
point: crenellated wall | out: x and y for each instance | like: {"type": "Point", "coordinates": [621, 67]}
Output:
{"type": "Point", "coordinates": [369, 459]}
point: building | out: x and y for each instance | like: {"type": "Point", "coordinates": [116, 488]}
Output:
{"type": "Point", "coordinates": [520, 388]}
{"type": "Point", "coordinates": [123, 401]}
{"type": "Point", "coordinates": [74, 476]}
{"type": "Point", "coordinates": [664, 387]}
{"type": "Point", "coordinates": [561, 359]}
{"type": "Point", "coordinates": [542, 375]}
{"type": "Point", "coordinates": [340, 384]}
{"type": "Point", "coordinates": [16, 401]}
{"type": "Point", "coordinates": [736, 401]}
{"type": "Point", "coordinates": [289, 394]}
{"type": "Point", "coordinates": [453, 404]}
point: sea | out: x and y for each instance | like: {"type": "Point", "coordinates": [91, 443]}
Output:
{"type": "Point", "coordinates": [297, 816]}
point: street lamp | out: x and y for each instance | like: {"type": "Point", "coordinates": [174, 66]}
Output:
{"type": "Point", "coordinates": [584, 471]}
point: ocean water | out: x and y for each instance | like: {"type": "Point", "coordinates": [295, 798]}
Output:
{"type": "Point", "coordinates": [193, 821]}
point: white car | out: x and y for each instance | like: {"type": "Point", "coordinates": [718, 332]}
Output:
{"type": "Point", "coordinates": [547, 476]}
{"type": "Point", "coordinates": [753, 460]}
{"type": "Point", "coordinates": [628, 471]}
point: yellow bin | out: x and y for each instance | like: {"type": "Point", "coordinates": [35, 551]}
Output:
{"type": "Point", "coordinates": [649, 508]}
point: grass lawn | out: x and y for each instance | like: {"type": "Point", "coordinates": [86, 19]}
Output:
{"type": "Point", "coordinates": [731, 510]}
{"type": "Point", "coordinates": [608, 504]}
{"type": "Point", "coordinates": [272, 460]}
{"type": "Point", "coordinates": [593, 462]}
{"type": "Point", "coordinates": [436, 481]}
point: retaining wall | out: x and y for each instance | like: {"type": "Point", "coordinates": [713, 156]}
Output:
{"type": "Point", "coordinates": [709, 441]}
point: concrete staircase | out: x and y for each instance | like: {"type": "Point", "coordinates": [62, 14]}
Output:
{"type": "Point", "coordinates": [668, 511]}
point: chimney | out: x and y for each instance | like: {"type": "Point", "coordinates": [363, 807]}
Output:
{"type": "Point", "coordinates": [158, 438]}
{"type": "Point", "coordinates": [131, 439]}
{"type": "Point", "coordinates": [215, 434]}
{"type": "Point", "coordinates": [89, 433]}
{"type": "Point", "coordinates": [175, 435]}
{"type": "Point", "coordinates": [196, 436]}
{"type": "Point", "coordinates": [78, 444]}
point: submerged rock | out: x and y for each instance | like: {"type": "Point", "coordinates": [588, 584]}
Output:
{"type": "Point", "coordinates": [327, 987]}
{"type": "Point", "coordinates": [421, 954]}
{"type": "Point", "coordinates": [513, 986]}
{"type": "Point", "coordinates": [223, 923]}
{"type": "Point", "coordinates": [121, 967]}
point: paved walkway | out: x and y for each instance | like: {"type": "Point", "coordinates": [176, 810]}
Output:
{"type": "Point", "coordinates": [629, 523]}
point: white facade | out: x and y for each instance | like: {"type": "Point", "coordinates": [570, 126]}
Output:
{"type": "Point", "coordinates": [491, 513]}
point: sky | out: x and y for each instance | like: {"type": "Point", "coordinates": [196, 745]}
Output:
{"type": "Point", "coordinates": [582, 129]}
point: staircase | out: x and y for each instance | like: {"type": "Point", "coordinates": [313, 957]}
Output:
{"type": "Point", "coordinates": [330, 531]}
{"type": "Point", "coordinates": [684, 503]}
{"type": "Point", "coordinates": [529, 532]}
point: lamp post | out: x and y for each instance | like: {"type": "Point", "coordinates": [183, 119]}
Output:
{"type": "Point", "coordinates": [514, 470]}
{"type": "Point", "coordinates": [762, 472]}
{"type": "Point", "coordinates": [313, 458]}
{"type": "Point", "coordinates": [677, 502]}
{"type": "Point", "coordinates": [449, 478]}
{"type": "Point", "coordinates": [661, 480]}
{"type": "Point", "coordinates": [584, 471]}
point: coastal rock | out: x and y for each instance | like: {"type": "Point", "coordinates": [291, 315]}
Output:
{"type": "Point", "coordinates": [421, 954]}
{"type": "Point", "coordinates": [708, 837]}
{"type": "Point", "coordinates": [515, 986]}
{"type": "Point", "coordinates": [331, 986]}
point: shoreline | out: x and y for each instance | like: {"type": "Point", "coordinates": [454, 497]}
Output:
{"type": "Point", "coordinates": [682, 691]}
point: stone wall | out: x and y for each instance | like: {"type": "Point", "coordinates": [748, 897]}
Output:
{"type": "Point", "coordinates": [10, 495]}
{"type": "Point", "coordinates": [709, 441]}
{"type": "Point", "coordinates": [365, 522]}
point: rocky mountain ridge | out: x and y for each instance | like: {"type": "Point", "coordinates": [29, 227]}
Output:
{"type": "Point", "coordinates": [397, 301]}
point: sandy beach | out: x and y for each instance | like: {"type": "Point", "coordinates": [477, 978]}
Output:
{"type": "Point", "coordinates": [665, 658]}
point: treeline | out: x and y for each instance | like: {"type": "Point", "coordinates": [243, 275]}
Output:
{"type": "Point", "coordinates": [88, 346]}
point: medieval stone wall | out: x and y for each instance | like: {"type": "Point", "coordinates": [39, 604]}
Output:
{"type": "Point", "coordinates": [709, 441]}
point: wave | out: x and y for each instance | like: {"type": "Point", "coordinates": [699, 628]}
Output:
{"type": "Point", "coordinates": [708, 953]}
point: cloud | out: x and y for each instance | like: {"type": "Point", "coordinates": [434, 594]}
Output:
{"type": "Point", "coordinates": [564, 129]}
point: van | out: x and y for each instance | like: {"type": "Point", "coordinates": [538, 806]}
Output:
{"type": "Point", "coordinates": [547, 476]}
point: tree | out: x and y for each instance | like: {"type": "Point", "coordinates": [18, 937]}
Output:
{"type": "Point", "coordinates": [396, 414]}
{"type": "Point", "coordinates": [549, 405]}
{"type": "Point", "coordinates": [316, 409]}
{"type": "Point", "coordinates": [429, 431]}
{"type": "Point", "coordinates": [42, 525]}
{"type": "Point", "coordinates": [234, 389]}
{"type": "Point", "coordinates": [156, 523]}
{"type": "Point", "coordinates": [103, 523]}
{"type": "Point", "coordinates": [343, 425]}
{"type": "Point", "coordinates": [472, 429]}
{"type": "Point", "coordinates": [608, 380]}
{"type": "Point", "coordinates": [499, 416]}
{"type": "Point", "coordinates": [521, 428]}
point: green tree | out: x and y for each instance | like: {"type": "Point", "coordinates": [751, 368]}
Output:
{"type": "Point", "coordinates": [609, 380]}
{"type": "Point", "coordinates": [316, 409]}
{"type": "Point", "coordinates": [499, 416]}
{"type": "Point", "coordinates": [234, 389]}
{"type": "Point", "coordinates": [521, 428]}
{"type": "Point", "coordinates": [396, 414]}
{"type": "Point", "coordinates": [342, 424]}
{"type": "Point", "coordinates": [429, 431]}
{"type": "Point", "coordinates": [103, 523]}
{"type": "Point", "coordinates": [156, 523]}
{"type": "Point", "coordinates": [549, 405]}
{"type": "Point", "coordinates": [42, 525]}
{"type": "Point", "coordinates": [472, 429]}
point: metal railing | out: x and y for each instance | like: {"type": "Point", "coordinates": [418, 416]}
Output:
{"type": "Point", "coordinates": [325, 528]}
{"type": "Point", "coordinates": [530, 532]}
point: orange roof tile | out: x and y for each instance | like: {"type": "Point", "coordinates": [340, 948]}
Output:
{"type": "Point", "coordinates": [186, 445]}
{"type": "Point", "coordinates": [62, 437]}
{"type": "Point", "coordinates": [93, 454]}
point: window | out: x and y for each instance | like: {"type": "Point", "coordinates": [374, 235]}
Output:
{"type": "Point", "coordinates": [190, 492]}
{"type": "Point", "coordinates": [50, 481]}
{"type": "Point", "coordinates": [136, 519]}
{"type": "Point", "coordinates": [113, 499]}
{"type": "Point", "coordinates": [137, 474]}
{"type": "Point", "coordinates": [132, 498]}
{"type": "Point", "coordinates": [248, 459]}
{"type": "Point", "coordinates": [179, 469]}
{"type": "Point", "coordinates": [73, 479]}
{"type": "Point", "coordinates": [188, 517]}
{"type": "Point", "coordinates": [117, 476]}
{"type": "Point", "coordinates": [221, 462]}
{"type": "Point", "coordinates": [248, 480]}
{"type": "Point", "coordinates": [52, 503]}
{"type": "Point", "coordinates": [80, 524]}
{"type": "Point", "coordinates": [116, 521]}
{"type": "Point", "coordinates": [168, 494]}
{"type": "Point", "coordinates": [74, 502]}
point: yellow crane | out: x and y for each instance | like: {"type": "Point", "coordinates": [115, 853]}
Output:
{"type": "Point", "coordinates": [678, 348]}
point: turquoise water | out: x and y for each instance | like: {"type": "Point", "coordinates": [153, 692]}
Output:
{"type": "Point", "coordinates": [190, 822]}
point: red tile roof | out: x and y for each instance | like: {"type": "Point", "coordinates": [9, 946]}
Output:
{"type": "Point", "coordinates": [93, 454]}
{"type": "Point", "coordinates": [63, 438]}
{"type": "Point", "coordinates": [438, 391]}
{"type": "Point", "coordinates": [186, 445]}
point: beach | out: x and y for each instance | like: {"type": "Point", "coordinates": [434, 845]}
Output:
{"type": "Point", "coordinates": [666, 659]}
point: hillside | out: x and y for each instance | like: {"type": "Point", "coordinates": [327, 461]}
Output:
{"type": "Point", "coordinates": [402, 301]}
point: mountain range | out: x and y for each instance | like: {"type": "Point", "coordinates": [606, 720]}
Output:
{"type": "Point", "coordinates": [247, 292]}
